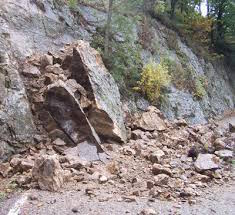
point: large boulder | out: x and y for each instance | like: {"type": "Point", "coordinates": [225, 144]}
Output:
{"type": "Point", "coordinates": [206, 162]}
{"type": "Point", "coordinates": [48, 173]}
{"type": "Point", "coordinates": [88, 70]}
{"type": "Point", "coordinates": [150, 120]}
{"type": "Point", "coordinates": [69, 116]}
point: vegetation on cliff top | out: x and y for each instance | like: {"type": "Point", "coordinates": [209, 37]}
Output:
{"type": "Point", "coordinates": [210, 35]}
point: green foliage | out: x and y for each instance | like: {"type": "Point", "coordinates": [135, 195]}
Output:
{"type": "Point", "coordinates": [172, 41]}
{"type": "Point", "coordinates": [124, 62]}
{"type": "Point", "coordinates": [127, 64]}
{"type": "Point", "coordinates": [72, 3]}
{"type": "Point", "coordinates": [204, 38]}
{"type": "Point", "coordinates": [154, 78]}
{"type": "Point", "coordinates": [160, 7]}
{"type": "Point", "coordinates": [2, 196]}
{"type": "Point", "coordinates": [199, 89]}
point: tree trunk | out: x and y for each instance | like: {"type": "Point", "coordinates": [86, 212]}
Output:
{"type": "Point", "coordinates": [108, 29]}
{"type": "Point", "coordinates": [199, 7]}
{"type": "Point", "coordinates": [173, 5]}
{"type": "Point", "coordinates": [219, 23]}
{"type": "Point", "coordinates": [208, 8]}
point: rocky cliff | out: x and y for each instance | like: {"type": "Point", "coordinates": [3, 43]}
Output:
{"type": "Point", "coordinates": [32, 26]}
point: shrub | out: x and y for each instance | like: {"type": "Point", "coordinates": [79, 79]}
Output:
{"type": "Point", "coordinates": [154, 78]}
{"type": "Point", "coordinates": [172, 41]}
{"type": "Point", "coordinates": [199, 87]}
{"type": "Point", "coordinates": [180, 76]}
{"type": "Point", "coordinates": [72, 3]}
{"type": "Point", "coordinates": [160, 7]}
{"type": "Point", "coordinates": [124, 61]}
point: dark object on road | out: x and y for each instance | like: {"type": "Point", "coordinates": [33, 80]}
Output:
{"type": "Point", "coordinates": [193, 152]}
{"type": "Point", "coordinates": [231, 128]}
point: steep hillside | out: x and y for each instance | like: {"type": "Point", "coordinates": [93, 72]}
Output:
{"type": "Point", "coordinates": [198, 89]}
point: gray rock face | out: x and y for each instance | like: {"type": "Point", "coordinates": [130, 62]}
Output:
{"type": "Point", "coordinates": [206, 162]}
{"type": "Point", "coordinates": [181, 103]}
{"type": "Point", "coordinates": [16, 123]}
{"type": "Point", "coordinates": [26, 27]}
{"type": "Point", "coordinates": [29, 26]}
{"type": "Point", "coordinates": [106, 115]}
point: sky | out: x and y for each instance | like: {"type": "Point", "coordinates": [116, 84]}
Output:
{"type": "Point", "coordinates": [204, 8]}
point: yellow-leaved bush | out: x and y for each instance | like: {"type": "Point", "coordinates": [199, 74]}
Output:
{"type": "Point", "coordinates": [154, 78]}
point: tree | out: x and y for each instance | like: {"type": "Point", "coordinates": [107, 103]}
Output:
{"type": "Point", "coordinates": [223, 14]}
{"type": "Point", "coordinates": [108, 28]}
{"type": "Point", "coordinates": [173, 6]}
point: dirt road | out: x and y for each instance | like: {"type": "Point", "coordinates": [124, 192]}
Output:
{"type": "Point", "coordinates": [219, 200]}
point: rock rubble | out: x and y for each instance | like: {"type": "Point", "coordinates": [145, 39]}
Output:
{"type": "Point", "coordinates": [151, 166]}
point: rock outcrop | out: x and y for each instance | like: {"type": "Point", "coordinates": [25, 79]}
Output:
{"type": "Point", "coordinates": [16, 122]}
{"type": "Point", "coordinates": [105, 115]}
{"type": "Point", "coordinates": [69, 116]}
{"type": "Point", "coordinates": [75, 99]}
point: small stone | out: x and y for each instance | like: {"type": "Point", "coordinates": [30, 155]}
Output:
{"type": "Point", "coordinates": [159, 169]}
{"type": "Point", "coordinates": [203, 178]}
{"type": "Point", "coordinates": [178, 206]}
{"type": "Point", "coordinates": [181, 122]}
{"type": "Point", "coordinates": [5, 168]}
{"type": "Point", "coordinates": [46, 60]}
{"type": "Point", "coordinates": [216, 174]}
{"type": "Point", "coordinates": [26, 165]}
{"type": "Point", "coordinates": [15, 162]}
{"type": "Point", "coordinates": [156, 156]}
{"type": "Point", "coordinates": [75, 209]}
{"type": "Point", "coordinates": [90, 192]}
{"type": "Point", "coordinates": [154, 193]}
{"type": "Point", "coordinates": [150, 184]}
{"type": "Point", "coordinates": [231, 127]}
{"type": "Point", "coordinates": [75, 162]}
{"type": "Point", "coordinates": [148, 211]}
{"type": "Point", "coordinates": [220, 144]}
{"type": "Point", "coordinates": [128, 151]}
{"type": "Point", "coordinates": [150, 120]}
{"type": "Point", "coordinates": [187, 192]}
{"type": "Point", "coordinates": [225, 154]}
{"type": "Point", "coordinates": [137, 134]}
{"type": "Point", "coordinates": [136, 193]}
{"type": "Point", "coordinates": [31, 71]}
{"type": "Point", "coordinates": [59, 142]}
{"type": "Point", "coordinates": [103, 179]}
{"type": "Point", "coordinates": [23, 180]}
{"type": "Point", "coordinates": [129, 198]}
{"type": "Point", "coordinates": [192, 201]}
{"type": "Point", "coordinates": [38, 138]}
{"type": "Point", "coordinates": [161, 179]}
{"type": "Point", "coordinates": [33, 197]}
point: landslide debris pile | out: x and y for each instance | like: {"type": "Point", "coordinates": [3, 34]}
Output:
{"type": "Point", "coordinates": [77, 111]}
{"type": "Point", "coordinates": [74, 98]}
{"type": "Point", "coordinates": [155, 162]}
